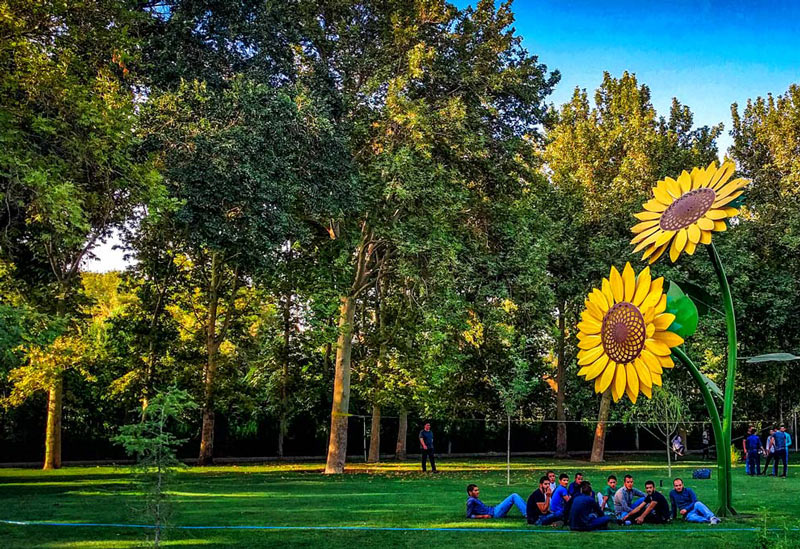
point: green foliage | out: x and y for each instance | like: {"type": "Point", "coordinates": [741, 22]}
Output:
{"type": "Point", "coordinates": [154, 447]}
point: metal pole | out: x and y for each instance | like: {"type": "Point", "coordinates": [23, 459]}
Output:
{"type": "Point", "coordinates": [795, 430]}
{"type": "Point", "coordinates": [364, 420]}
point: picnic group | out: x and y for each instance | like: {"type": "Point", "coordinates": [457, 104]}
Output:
{"type": "Point", "coordinates": [559, 502]}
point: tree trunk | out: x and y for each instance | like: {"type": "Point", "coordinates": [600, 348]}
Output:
{"type": "Point", "coordinates": [637, 437]}
{"type": "Point", "coordinates": [508, 452]}
{"type": "Point", "coordinates": [375, 436]}
{"type": "Point", "coordinates": [287, 333]}
{"type": "Point", "coordinates": [207, 432]}
{"type": "Point", "coordinates": [561, 430]}
{"type": "Point", "coordinates": [599, 444]}
{"type": "Point", "coordinates": [52, 442]}
{"type": "Point", "coordinates": [402, 435]}
{"type": "Point", "coordinates": [337, 445]}
{"type": "Point", "coordinates": [669, 459]}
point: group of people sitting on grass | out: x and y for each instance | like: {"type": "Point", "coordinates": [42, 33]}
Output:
{"type": "Point", "coordinates": [577, 505]}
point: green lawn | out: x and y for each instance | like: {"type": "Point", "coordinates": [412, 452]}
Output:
{"type": "Point", "coordinates": [386, 495]}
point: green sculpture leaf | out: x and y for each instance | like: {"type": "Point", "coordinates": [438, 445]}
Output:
{"type": "Point", "coordinates": [771, 357]}
{"type": "Point", "coordinates": [713, 387]}
{"type": "Point", "coordinates": [684, 309]}
{"type": "Point", "coordinates": [701, 298]}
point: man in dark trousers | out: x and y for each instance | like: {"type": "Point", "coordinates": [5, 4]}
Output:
{"type": "Point", "coordinates": [585, 515]}
{"type": "Point", "coordinates": [780, 450]}
{"type": "Point", "coordinates": [426, 447]}
{"type": "Point", "coordinates": [654, 509]}
{"type": "Point", "coordinates": [754, 447]}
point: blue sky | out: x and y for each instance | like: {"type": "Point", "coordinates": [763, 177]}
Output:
{"type": "Point", "coordinates": [707, 54]}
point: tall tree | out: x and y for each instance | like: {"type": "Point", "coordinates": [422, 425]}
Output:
{"type": "Point", "coordinates": [69, 168]}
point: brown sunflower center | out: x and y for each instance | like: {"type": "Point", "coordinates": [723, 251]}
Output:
{"type": "Point", "coordinates": [623, 332]}
{"type": "Point", "coordinates": [687, 209]}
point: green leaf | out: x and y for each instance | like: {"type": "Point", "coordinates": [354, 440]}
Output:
{"type": "Point", "coordinates": [713, 387]}
{"type": "Point", "coordinates": [702, 299]}
{"type": "Point", "coordinates": [684, 309]}
{"type": "Point", "coordinates": [773, 357]}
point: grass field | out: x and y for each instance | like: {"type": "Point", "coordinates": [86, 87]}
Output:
{"type": "Point", "coordinates": [385, 495]}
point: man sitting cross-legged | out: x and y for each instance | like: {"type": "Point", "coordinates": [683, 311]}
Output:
{"type": "Point", "coordinates": [684, 503]}
{"type": "Point", "coordinates": [538, 505]}
{"type": "Point", "coordinates": [585, 515]}
{"type": "Point", "coordinates": [624, 501]}
{"type": "Point", "coordinates": [654, 509]}
{"type": "Point", "coordinates": [476, 509]}
{"type": "Point", "coordinates": [605, 498]}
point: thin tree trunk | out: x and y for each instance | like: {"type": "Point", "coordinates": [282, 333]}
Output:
{"type": "Point", "coordinates": [375, 436]}
{"type": "Point", "coordinates": [508, 452]}
{"type": "Point", "coordinates": [637, 437]}
{"type": "Point", "coordinates": [402, 435]}
{"type": "Point", "coordinates": [287, 333]}
{"type": "Point", "coordinates": [207, 432]}
{"type": "Point", "coordinates": [52, 442]}
{"type": "Point", "coordinates": [599, 444]}
{"type": "Point", "coordinates": [561, 430]}
{"type": "Point", "coordinates": [337, 445]}
{"type": "Point", "coordinates": [669, 459]}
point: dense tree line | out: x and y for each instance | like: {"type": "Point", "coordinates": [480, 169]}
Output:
{"type": "Point", "coordinates": [324, 200]}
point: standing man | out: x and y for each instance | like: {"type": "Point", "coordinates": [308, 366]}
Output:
{"type": "Point", "coordinates": [780, 450]}
{"type": "Point", "coordinates": [754, 447]}
{"type": "Point", "coordinates": [426, 447]}
{"type": "Point", "coordinates": [706, 442]}
{"type": "Point", "coordinates": [685, 504]}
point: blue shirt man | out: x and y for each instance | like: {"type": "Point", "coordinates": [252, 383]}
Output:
{"type": "Point", "coordinates": [559, 500]}
{"type": "Point", "coordinates": [575, 487]}
{"type": "Point", "coordinates": [753, 445]}
{"type": "Point", "coordinates": [476, 509]}
{"type": "Point", "coordinates": [685, 504]}
{"type": "Point", "coordinates": [585, 514]}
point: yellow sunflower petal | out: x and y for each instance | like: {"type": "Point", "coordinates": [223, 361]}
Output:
{"type": "Point", "coordinates": [650, 329]}
{"type": "Point", "coordinates": [664, 321]}
{"type": "Point", "coordinates": [656, 379]}
{"type": "Point", "coordinates": [656, 346]}
{"type": "Point", "coordinates": [693, 233]}
{"type": "Point", "coordinates": [628, 282]}
{"type": "Point", "coordinates": [639, 227]}
{"type": "Point", "coordinates": [647, 216]}
{"type": "Point", "coordinates": [590, 355]}
{"type": "Point", "coordinates": [642, 286]}
{"type": "Point", "coordinates": [700, 178]}
{"type": "Point", "coordinates": [658, 253]}
{"type": "Point", "coordinates": [685, 181]}
{"type": "Point", "coordinates": [705, 224]}
{"type": "Point", "coordinates": [654, 205]}
{"type": "Point", "coordinates": [649, 315]}
{"type": "Point", "coordinates": [590, 342]}
{"type": "Point", "coordinates": [643, 372]}
{"type": "Point", "coordinates": [589, 317]}
{"type": "Point", "coordinates": [596, 368]}
{"type": "Point", "coordinates": [664, 238]}
{"type": "Point", "coordinates": [632, 378]}
{"type": "Point", "coordinates": [618, 387]}
{"type": "Point", "coordinates": [662, 305]}
{"type": "Point", "coordinates": [721, 175]}
{"type": "Point", "coordinates": [646, 391]}
{"type": "Point", "coordinates": [656, 289]}
{"type": "Point", "coordinates": [673, 187]}
{"type": "Point", "coordinates": [589, 328]}
{"type": "Point", "coordinates": [715, 214]}
{"type": "Point", "coordinates": [666, 362]}
{"type": "Point", "coordinates": [669, 338]}
{"type": "Point", "coordinates": [605, 380]}
{"type": "Point", "coordinates": [617, 288]}
{"type": "Point", "coordinates": [705, 237]}
{"type": "Point", "coordinates": [690, 248]}
{"type": "Point", "coordinates": [720, 226]}
{"type": "Point", "coordinates": [657, 250]}
{"type": "Point", "coordinates": [662, 195]}
{"type": "Point", "coordinates": [678, 243]}
{"type": "Point", "coordinates": [730, 212]}
{"type": "Point", "coordinates": [594, 310]}
{"type": "Point", "coordinates": [729, 188]}
{"type": "Point", "coordinates": [650, 361]}
{"type": "Point", "coordinates": [647, 236]}
{"type": "Point", "coordinates": [722, 201]}
{"type": "Point", "coordinates": [599, 300]}
{"type": "Point", "coordinates": [609, 295]}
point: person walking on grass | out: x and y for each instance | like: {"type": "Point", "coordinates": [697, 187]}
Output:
{"type": "Point", "coordinates": [585, 515]}
{"type": "Point", "coordinates": [685, 503]}
{"type": "Point", "coordinates": [788, 444]}
{"type": "Point", "coordinates": [426, 447]}
{"type": "Point", "coordinates": [754, 449]}
{"type": "Point", "coordinates": [653, 510]}
{"type": "Point", "coordinates": [476, 509]}
{"type": "Point", "coordinates": [706, 443]}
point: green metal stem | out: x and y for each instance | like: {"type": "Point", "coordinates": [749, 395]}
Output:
{"type": "Point", "coordinates": [723, 508]}
{"type": "Point", "coordinates": [730, 378]}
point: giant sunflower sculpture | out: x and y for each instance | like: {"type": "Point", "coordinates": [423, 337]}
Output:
{"type": "Point", "coordinates": [624, 339]}
{"type": "Point", "coordinates": [684, 212]}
